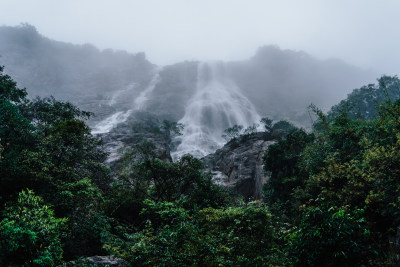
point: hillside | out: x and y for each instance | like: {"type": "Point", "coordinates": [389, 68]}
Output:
{"type": "Point", "coordinates": [84, 75]}
{"type": "Point", "coordinates": [132, 185]}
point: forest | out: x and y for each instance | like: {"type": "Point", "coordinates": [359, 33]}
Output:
{"type": "Point", "coordinates": [333, 197]}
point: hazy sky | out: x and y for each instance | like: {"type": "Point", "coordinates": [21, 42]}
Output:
{"type": "Point", "coordinates": [361, 32]}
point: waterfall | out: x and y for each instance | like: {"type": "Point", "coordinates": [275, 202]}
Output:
{"type": "Point", "coordinates": [216, 105]}
{"type": "Point", "coordinates": [139, 102]}
{"type": "Point", "coordinates": [110, 122]}
{"type": "Point", "coordinates": [122, 94]}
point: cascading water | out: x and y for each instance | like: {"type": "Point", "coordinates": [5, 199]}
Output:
{"type": "Point", "coordinates": [119, 95]}
{"type": "Point", "coordinates": [118, 117]}
{"type": "Point", "coordinates": [110, 122]}
{"type": "Point", "coordinates": [216, 105]}
{"type": "Point", "coordinates": [140, 102]}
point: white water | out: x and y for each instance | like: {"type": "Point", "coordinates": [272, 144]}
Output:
{"type": "Point", "coordinates": [110, 122]}
{"type": "Point", "coordinates": [216, 105]}
{"type": "Point", "coordinates": [122, 93]}
{"type": "Point", "coordinates": [140, 102]}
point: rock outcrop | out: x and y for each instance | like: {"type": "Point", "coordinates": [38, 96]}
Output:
{"type": "Point", "coordinates": [239, 164]}
{"type": "Point", "coordinates": [138, 128]}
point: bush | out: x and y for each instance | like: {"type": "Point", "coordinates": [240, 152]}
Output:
{"type": "Point", "coordinates": [30, 234]}
{"type": "Point", "coordinates": [328, 235]}
{"type": "Point", "coordinates": [173, 236]}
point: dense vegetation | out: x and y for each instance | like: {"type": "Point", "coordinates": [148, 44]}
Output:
{"type": "Point", "coordinates": [338, 187]}
{"type": "Point", "coordinates": [332, 199]}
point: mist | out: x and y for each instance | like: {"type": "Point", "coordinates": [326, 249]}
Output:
{"type": "Point", "coordinates": [208, 65]}
{"type": "Point", "coordinates": [206, 97]}
{"type": "Point", "coordinates": [358, 32]}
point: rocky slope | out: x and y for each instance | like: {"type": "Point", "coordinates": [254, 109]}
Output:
{"type": "Point", "coordinates": [239, 165]}
{"type": "Point", "coordinates": [139, 127]}
{"type": "Point", "coordinates": [92, 79]}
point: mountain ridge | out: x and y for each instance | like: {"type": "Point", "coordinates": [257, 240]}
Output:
{"type": "Point", "coordinates": [274, 83]}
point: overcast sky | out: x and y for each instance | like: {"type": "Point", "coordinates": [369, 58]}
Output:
{"type": "Point", "coordinates": [361, 32]}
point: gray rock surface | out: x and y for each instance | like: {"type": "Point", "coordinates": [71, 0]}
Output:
{"type": "Point", "coordinates": [139, 127]}
{"type": "Point", "coordinates": [239, 165]}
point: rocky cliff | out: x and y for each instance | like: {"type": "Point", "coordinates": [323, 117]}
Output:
{"type": "Point", "coordinates": [139, 127]}
{"type": "Point", "coordinates": [239, 164]}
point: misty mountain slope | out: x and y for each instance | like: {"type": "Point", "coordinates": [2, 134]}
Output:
{"type": "Point", "coordinates": [79, 73]}
{"type": "Point", "coordinates": [279, 83]}
{"type": "Point", "coordinates": [207, 97]}
{"type": "Point", "coordinates": [174, 89]}
{"type": "Point", "coordinates": [283, 82]}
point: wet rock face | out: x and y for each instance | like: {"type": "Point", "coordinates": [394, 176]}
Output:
{"type": "Point", "coordinates": [239, 165]}
{"type": "Point", "coordinates": [138, 127]}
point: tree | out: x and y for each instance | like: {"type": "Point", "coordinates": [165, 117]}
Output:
{"type": "Point", "coordinates": [267, 123]}
{"type": "Point", "coordinates": [282, 161]}
{"type": "Point", "coordinates": [174, 236]}
{"type": "Point", "coordinates": [282, 128]}
{"type": "Point", "coordinates": [363, 103]}
{"type": "Point", "coordinates": [30, 234]}
{"type": "Point", "coordinates": [16, 134]}
{"type": "Point", "coordinates": [9, 90]}
{"type": "Point", "coordinates": [183, 182]}
{"type": "Point", "coordinates": [328, 235]}
{"type": "Point", "coordinates": [49, 149]}
{"type": "Point", "coordinates": [252, 129]}
{"type": "Point", "coordinates": [232, 133]}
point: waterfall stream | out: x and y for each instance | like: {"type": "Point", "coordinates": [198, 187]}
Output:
{"type": "Point", "coordinates": [139, 103]}
{"type": "Point", "coordinates": [110, 122]}
{"type": "Point", "coordinates": [216, 105]}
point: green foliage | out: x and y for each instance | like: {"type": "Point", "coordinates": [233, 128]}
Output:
{"type": "Point", "coordinates": [361, 167]}
{"type": "Point", "coordinates": [171, 213]}
{"type": "Point", "coordinates": [328, 235]}
{"type": "Point", "coordinates": [9, 90]}
{"type": "Point", "coordinates": [363, 103]}
{"type": "Point", "coordinates": [169, 238]}
{"type": "Point", "coordinates": [30, 234]}
{"type": "Point", "coordinates": [173, 236]}
{"type": "Point", "coordinates": [183, 180]}
{"type": "Point", "coordinates": [282, 128]}
{"type": "Point", "coordinates": [15, 133]}
{"type": "Point", "coordinates": [48, 111]}
{"type": "Point", "coordinates": [151, 178]}
{"type": "Point", "coordinates": [48, 149]}
{"type": "Point", "coordinates": [282, 160]}
{"type": "Point", "coordinates": [243, 235]}
{"type": "Point", "coordinates": [369, 180]}
{"type": "Point", "coordinates": [352, 163]}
